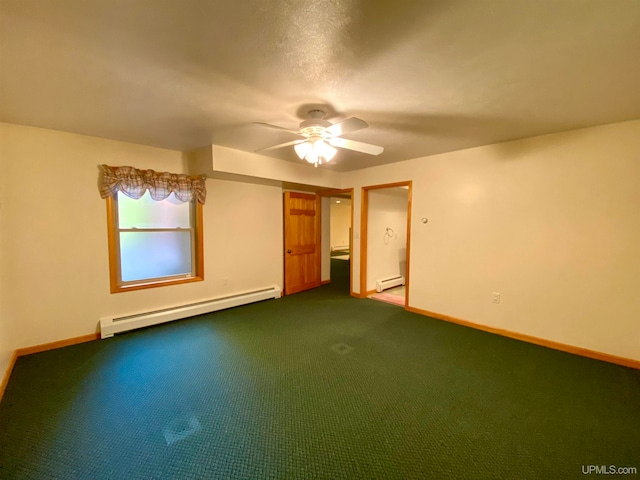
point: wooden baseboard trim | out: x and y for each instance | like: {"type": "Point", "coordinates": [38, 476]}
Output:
{"type": "Point", "coordinates": [42, 348]}
{"type": "Point", "coordinates": [7, 374]}
{"type": "Point", "coordinates": [59, 344]}
{"type": "Point", "coordinates": [325, 282]}
{"type": "Point", "coordinates": [584, 352]}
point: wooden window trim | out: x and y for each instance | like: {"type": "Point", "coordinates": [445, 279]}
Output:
{"type": "Point", "coordinates": [114, 255]}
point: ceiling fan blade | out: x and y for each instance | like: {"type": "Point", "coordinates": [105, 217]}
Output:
{"type": "Point", "coordinates": [276, 127]}
{"type": "Point", "coordinates": [357, 146]}
{"type": "Point", "coordinates": [288, 144]}
{"type": "Point", "coordinates": [349, 125]}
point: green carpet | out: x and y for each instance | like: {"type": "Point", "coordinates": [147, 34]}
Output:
{"type": "Point", "coordinates": [315, 385]}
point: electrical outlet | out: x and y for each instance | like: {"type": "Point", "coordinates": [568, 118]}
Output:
{"type": "Point", "coordinates": [225, 282]}
{"type": "Point", "coordinates": [495, 297]}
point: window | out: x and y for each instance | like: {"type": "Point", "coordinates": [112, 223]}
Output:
{"type": "Point", "coordinates": [153, 243]}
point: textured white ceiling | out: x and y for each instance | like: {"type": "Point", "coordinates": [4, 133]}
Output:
{"type": "Point", "coordinates": [428, 76]}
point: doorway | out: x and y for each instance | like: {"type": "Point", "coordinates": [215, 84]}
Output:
{"type": "Point", "coordinates": [384, 262]}
{"type": "Point", "coordinates": [337, 238]}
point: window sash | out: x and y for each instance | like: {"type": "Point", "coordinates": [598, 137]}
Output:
{"type": "Point", "coordinates": [151, 245]}
{"type": "Point", "coordinates": [197, 264]}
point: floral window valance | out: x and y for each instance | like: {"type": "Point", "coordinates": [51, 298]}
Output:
{"type": "Point", "coordinates": [134, 183]}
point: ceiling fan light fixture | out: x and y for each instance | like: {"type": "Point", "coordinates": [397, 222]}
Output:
{"type": "Point", "coordinates": [302, 149]}
{"type": "Point", "coordinates": [324, 150]}
{"type": "Point", "coordinates": [312, 157]}
{"type": "Point", "coordinates": [315, 151]}
{"type": "Point", "coordinates": [321, 136]}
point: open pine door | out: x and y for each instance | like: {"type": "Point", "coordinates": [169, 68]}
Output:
{"type": "Point", "coordinates": [301, 242]}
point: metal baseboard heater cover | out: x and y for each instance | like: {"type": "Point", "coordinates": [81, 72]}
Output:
{"type": "Point", "coordinates": [111, 326]}
{"type": "Point", "coordinates": [390, 282]}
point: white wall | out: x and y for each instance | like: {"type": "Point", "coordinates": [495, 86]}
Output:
{"type": "Point", "coordinates": [386, 253]}
{"type": "Point", "coordinates": [340, 222]}
{"type": "Point", "coordinates": [550, 222]}
{"type": "Point", "coordinates": [215, 159]}
{"type": "Point", "coordinates": [55, 251]}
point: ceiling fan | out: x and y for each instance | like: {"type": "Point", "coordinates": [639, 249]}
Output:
{"type": "Point", "coordinates": [321, 136]}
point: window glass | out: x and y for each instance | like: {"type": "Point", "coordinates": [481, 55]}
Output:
{"type": "Point", "coordinates": [145, 255]}
{"type": "Point", "coordinates": [147, 213]}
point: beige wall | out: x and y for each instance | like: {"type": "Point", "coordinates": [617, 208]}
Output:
{"type": "Point", "coordinates": [340, 222]}
{"type": "Point", "coordinates": [550, 222]}
{"type": "Point", "coordinates": [6, 344]}
{"type": "Point", "coordinates": [386, 253]}
{"type": "Point", "coordinates": [55, 249]}
{"type": "Point", "coordinates": [214, 160]}
{"type": "Point", "coordinates": [326, 219]}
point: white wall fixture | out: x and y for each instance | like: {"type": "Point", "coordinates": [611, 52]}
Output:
{"type": "Point", "coordinates": [388, 235]}
{"type": "Point", "coordinates": [387, 283]}
{"type": "Point", "coordinates": [110, 326]}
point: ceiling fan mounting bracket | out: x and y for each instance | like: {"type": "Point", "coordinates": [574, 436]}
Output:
{"type": "Point", "coordinates": [315, 124]}
{"type": "Point", "coordinates": [316, 113]}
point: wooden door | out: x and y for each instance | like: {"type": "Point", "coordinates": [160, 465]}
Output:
{"type": "Point", "coordinates": [301, 242]}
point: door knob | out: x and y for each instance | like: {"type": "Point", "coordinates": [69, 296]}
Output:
{"type": "Point", "coordinates": [288, 251]}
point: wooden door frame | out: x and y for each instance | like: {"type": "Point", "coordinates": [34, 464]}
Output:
{"type": "Point", "coordinates": [364, 224]}
{"type": "Point", "coordinates": [332, 193]}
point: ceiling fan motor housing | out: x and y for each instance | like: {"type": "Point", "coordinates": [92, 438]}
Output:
{"type": "Point", "coordinates": [315, 125]}
{"type": "Point", "coordinates": [310, 128]}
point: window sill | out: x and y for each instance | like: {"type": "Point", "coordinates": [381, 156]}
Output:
{"type": "Point", "coordinates": [153, 284]}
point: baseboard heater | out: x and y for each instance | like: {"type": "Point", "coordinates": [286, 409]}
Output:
{"type": "Point", "coordinates": [110, 326]}
{"type": "Point", "coordinates": [390, 282]}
